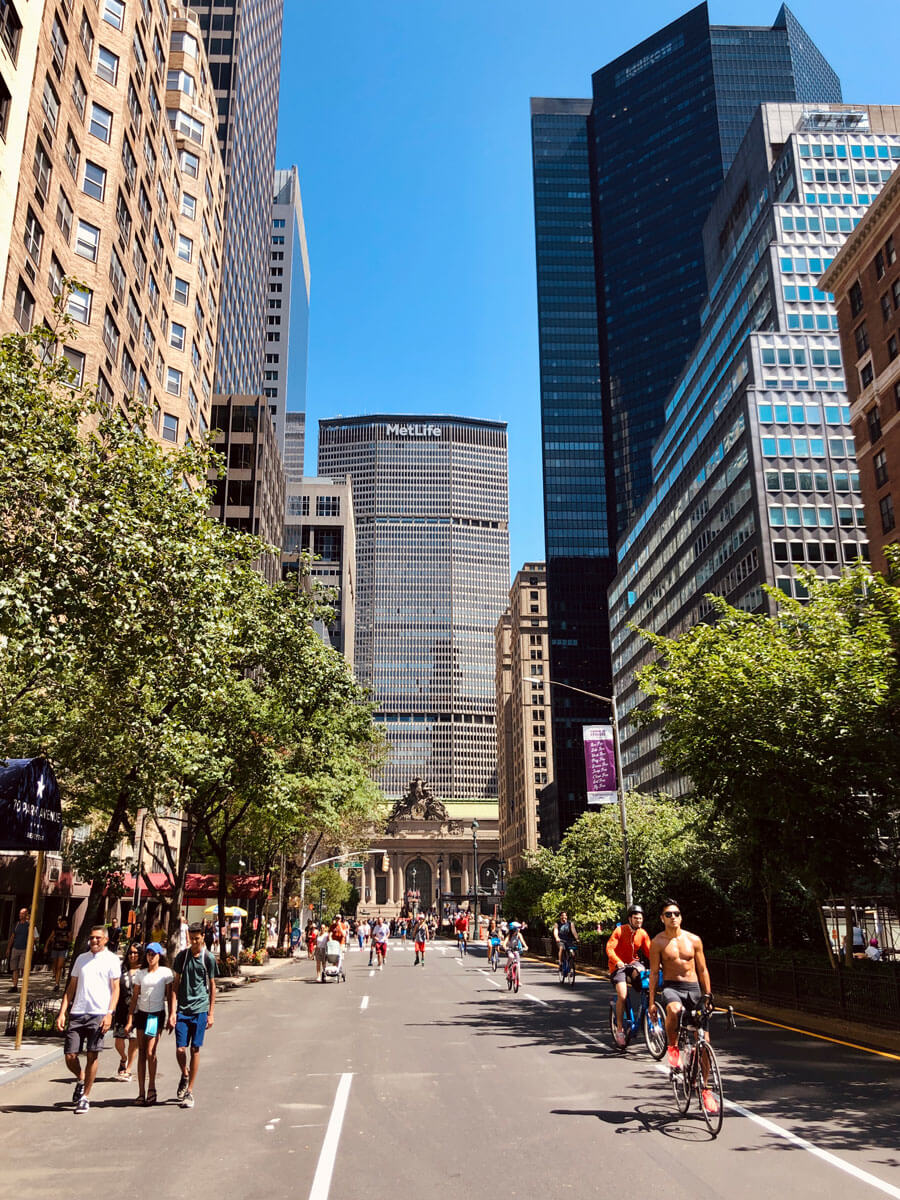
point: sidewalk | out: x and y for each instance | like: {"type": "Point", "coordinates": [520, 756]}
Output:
{"type": "Point", "coordinates": [40, 1052]}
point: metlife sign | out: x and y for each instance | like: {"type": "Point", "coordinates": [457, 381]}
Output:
{"type": "Point", "coordinates": [412, 431]}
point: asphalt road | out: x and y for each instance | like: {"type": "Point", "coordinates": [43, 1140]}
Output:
{"type": "Point", "coordinates": [436, 1082]}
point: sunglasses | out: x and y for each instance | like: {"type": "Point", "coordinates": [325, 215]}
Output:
{"type": "Point", "coordinates": [673, 913]}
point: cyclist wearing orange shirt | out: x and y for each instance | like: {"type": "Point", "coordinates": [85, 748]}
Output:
{"type": "Point", "coordinates": [627, 950]}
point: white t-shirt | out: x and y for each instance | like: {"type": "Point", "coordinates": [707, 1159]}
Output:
{"type": "Point", "coordinates": [380, 933]}
{"type": "Point", "coordinates": [152, 998]}
{"type": "Point", "coordinates": [95, 974]}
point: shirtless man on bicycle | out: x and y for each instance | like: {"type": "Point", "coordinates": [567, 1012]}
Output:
{"type": "Point", "coordinates": [684, 972]}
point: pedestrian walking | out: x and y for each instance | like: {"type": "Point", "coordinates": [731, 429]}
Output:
{"type": "Point", "coordinates": [420, 937]}
{"type": "Point", "coordinates": [322, 939]}
{"type": "Point", "coordinates": [17, 946]}
{"type": "Point", "coordinates": [57, 948]}
{"type": "Point", "coordinates": [114, 935]}
{"type": "Point", "coordinates": [151, 997]}
{"type": "Point", "coordinates": [92, 994]}
{"type": "Point", "coordinates": [193, 1011]}
{"type": "Point", "coordinates": [126, 1038]}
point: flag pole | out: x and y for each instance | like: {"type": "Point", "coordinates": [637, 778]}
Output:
{"type": "Point", "coordinates": [35, 896]}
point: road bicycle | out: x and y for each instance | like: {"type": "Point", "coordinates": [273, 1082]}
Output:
{"type": "Point", "coordinates": [461, 945]}
{"type": "Point", "coordinates": [512, 971]}
{"type": "Point", "coordinates": [637, 1021]}
{"type": "Point", "coordinates": [698, 1071]}
{"type": "Point", "coordinates": [566, 969]}
{"type": "Point", "coordinates": [495, 955]}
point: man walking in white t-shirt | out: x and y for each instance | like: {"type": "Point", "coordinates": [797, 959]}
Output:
{"type": "Point", "coordinates": [92, 993]}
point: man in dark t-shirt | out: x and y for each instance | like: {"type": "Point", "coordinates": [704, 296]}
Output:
{"type": "Point", "coordinates": [195, 995]}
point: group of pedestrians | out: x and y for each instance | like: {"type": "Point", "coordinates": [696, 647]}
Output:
{"type": "Point", "coordinates": [139, 999]}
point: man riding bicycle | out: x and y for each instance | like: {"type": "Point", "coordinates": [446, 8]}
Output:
{"type": "Point", "coordinates": [565, 935]}
{"type": "Point", "coordinates": [462, 930]}
{"type": "Point", "coordinates": [514, 944]}
{"type": "Point", "coordinates": [680, 955]}
{"type": "Point", "coordinates": [628, 951]}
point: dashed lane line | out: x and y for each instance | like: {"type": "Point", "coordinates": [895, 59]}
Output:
{"type": "Point", "coordinates": [489, 978]}
{"type": "Point", "coordinates": [321, 1184]}
{"type": "Point", "coordinates": [364, 1003]}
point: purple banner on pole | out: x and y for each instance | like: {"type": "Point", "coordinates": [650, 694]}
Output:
{"type": "Point", "coordinates": [600, 764]}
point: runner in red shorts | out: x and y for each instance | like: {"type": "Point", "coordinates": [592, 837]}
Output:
{"type": "Point", "coordinates": [421, 937]}
{"type": "Point", "coordinates": [380, 935]}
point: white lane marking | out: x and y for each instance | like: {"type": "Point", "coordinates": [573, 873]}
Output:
{"type": "Point", "coordinates": [536, 999]}
{"type": "Point", "coordinates": [588, 1038]}
{"type": "Point", "coordinates": [489, 978]}
{"type": "Point", "coordinates": [321, 1184]}
{"type": "Point", "coordinates": [270, 1127]}
{"type": "Point", "coordinates": [364, 1003]}
{"type": "Point", "coordinates": [796, 1140]}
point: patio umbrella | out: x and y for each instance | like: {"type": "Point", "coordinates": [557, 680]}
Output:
{"type": "Point", "coordinates": [231, 910]}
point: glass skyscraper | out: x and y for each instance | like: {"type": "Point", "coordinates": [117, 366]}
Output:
{"type": "Point", "coordinates": [430, 496]}
{"type": "Point", "coordinates": [243, 44]}
{"type": "Point", "coordinates": [623, 185]}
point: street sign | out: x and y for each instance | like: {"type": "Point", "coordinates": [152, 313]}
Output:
{"type": "Point", "coordinates": [355, 866]}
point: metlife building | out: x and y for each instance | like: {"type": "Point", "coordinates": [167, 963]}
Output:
{"type": "Point", "coordinates": [431, 500]}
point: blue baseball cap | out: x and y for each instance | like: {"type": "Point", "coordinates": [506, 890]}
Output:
{"type": "Point", "coordinates": [156, 948]}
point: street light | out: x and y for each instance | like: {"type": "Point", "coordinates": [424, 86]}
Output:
{"type": "Point", "coordinates": [414, 872]}
{"type": "Point", "coordinates": [475, 889]}
{"type": "Point", "coordinates": [623, 820]}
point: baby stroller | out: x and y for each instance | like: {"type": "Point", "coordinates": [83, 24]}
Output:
{"type": "Point", "coordinates": [334, 962]}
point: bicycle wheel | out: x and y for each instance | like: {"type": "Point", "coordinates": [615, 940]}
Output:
{"type": "Point", "coordinates": [612, 1025]}
{"type": "Point", "coordinates": [561, 971]}
{"type": "Point", "coordinates": [682, 1079]}
{"type": "Point", "coordinates": [495, 959]}
{"type": "Point", "coordinates": [654, 1036]}
{"type": "Point", "coordinates": [570, 973]}
{"type": "Point", "coordinates": [515, 977]}
{"type": "Point", "coordinates": [509, 977]}
{"type": "Point", "coordinates": [710, 1082]}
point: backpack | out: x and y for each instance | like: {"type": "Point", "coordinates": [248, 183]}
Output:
{"type": "Point", "coordinates": [181, 959]}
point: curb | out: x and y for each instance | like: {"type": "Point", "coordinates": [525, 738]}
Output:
{"type": "Point", "coordinates": [44, 1061]}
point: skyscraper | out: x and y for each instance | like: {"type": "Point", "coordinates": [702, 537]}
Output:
{"type": "Point", "coordinates": [431, 501]}
{"type": "Point", "coordinates": [243, 43]}
{"type": "Point", "coordinates": [755, 473]}
{"type": "Point", "coordinates": [287, 322]}
{"type": "Point", "coordinates": [623, 184]}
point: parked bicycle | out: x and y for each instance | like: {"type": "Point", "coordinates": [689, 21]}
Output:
{"type": "Point", "coordinates": [699, 1068]}
{"type": "Point", "coordinates": [566, 970]}
{"type": "Point", "coordinates": [636, 1021]}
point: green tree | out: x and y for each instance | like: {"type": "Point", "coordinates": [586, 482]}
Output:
{"type": "Point", "coordinates": [787, 725]}
{"type": "Point", "coordinates": [337, 890]}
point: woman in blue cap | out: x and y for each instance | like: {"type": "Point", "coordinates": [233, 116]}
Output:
{"type": "Point", "coordinates": [151, 996]}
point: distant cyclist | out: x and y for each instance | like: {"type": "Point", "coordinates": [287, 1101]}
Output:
{"type": "Point", "coordinates": [493, 939]}
{"type": "Point", "coordinates": [628, 950]}
{"type": "Point", "coordinates": [514, 944]}
{"type": "Point", "coordinates": [565, 935]}
{"type": "Point", "coordinates": [462, 931]}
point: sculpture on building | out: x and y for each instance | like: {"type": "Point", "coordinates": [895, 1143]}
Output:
{"type": "Point", "coordinates": [419, 804]}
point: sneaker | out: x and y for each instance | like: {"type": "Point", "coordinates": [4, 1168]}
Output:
{"type": "Point", "coordinates": [710, 1103]}
{"type": "Point", "coordinates": [182, 1088]}
{"type": "Point", "coordinates": [124, 1077]}
{"type": "Point", "coordinates": [187, 1100]}
{"type": "Point", "coordinates": [620, 1037]}
{"type": "Point", "coordinates": [673, 1058]}
{"type": "Point", "coordinates": [83, 1106]}
{"type": "Point", "coordinates": [79, 1091]}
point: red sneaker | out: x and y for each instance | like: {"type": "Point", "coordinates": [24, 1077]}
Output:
{"type": "Point", "coordinates": [710, 1103]}
{"type": "Point", "coordinates": [674, 1058]}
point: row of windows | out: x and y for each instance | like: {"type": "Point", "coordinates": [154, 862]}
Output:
{"type": "Point", "coordinates": [802, 447]}
{"type": "Point", "coordinates": [810, 517]}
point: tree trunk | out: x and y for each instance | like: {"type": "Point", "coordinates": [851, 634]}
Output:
{"type": "Point", "coordinates": [770, 922]}
{"type": "Point", "coordinates": [93, 911]}
{"type": "Point", "coordinates": [222, 855]}
{"type": "Point", "coordinates": [824, 927]}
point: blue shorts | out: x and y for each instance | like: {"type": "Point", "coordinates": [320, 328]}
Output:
{"type": "Point", "coordinates": [190, 1029]}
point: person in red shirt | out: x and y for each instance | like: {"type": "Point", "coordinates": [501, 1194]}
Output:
{"type": "Point", "coordinates": [462, 931]}
{"type": "Point", "coordinates": [627, 950]}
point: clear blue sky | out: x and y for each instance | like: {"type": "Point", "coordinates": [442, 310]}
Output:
{"type": "Point", "coordinates": [409, 123]}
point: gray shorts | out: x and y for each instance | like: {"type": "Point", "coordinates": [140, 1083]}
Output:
{"type": "Point", "coordinates": [55, 955]}
{"type": "Point", "coordinates": [687, 994]}
{"type": "Point", "coordinates": [84, 1034]}
{"type": "Point", "coordinates": [17, 960]}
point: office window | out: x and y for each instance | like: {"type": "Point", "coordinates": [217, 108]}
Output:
{"type": "Point", "coordinates": [64, 214]}
{"type": "Point", "coordinates": [182, 123]}
{"type": "Point", "coordinates": [170, 427]}
{"type": "Point", "coordinates": [41, 168]}
{"type": "Point", "coordinates": [188, 205]}
{"type": "Point", "coordinates": [75, 359]}
{"type": "Point", "coordinates": [879, 465]}
{"type": "Point", "coordinates": [190, 163]}
{"type": "Point", "coordinates": [866, 375]}
{"type": "Point", "coordinates": [101, 123]}
{"type": "Point", "coordinates": [113, 12]}
{"type": "Point", "coordinates": [856, 299]}
{"type": "Point", "coordinates": [50, 104]}
{"type": "Point", "coordinates": [87, 240]}
{"type": "Point", "coordinates": [892, 347]}
{"type": "Point", "coordinates": [861, 336]}
{"type": "Point", "coordinates": [79, 305]}
{"type": "Point", "coordinates": [185, 249]}
{"type": "Point", "coordinates": [873, 421]}
{"type": "Point", "coordinates": [94, 181]}
{"type": "Point", "coordinates": [177, 336]}
{"type": "Point", "coordinates": [59, 43]}
{"type": "Point", "coordinates": [110, 335]}
{"type": "Point", "coordinates": [79, 94]}
{"type": "Point", "coordinates": [107, 65]}
{"type": "Point", "coordinates": [173, 381]}
{"type": "Point", "coordinates": [182, 290]}
{"type": "Point", "coordinates": [10, 28]}
{"type": "Point", "coordinates": [24, 306]}
{"type": "Point", "coordinates": [34, 236]}
{"type": "Point", "coordinates": [5, 105]}
{"type": "Point", "coordinates": [72, 153]}
{"type": "Point", "coordinates": [86, 34]}
{"type": "Point", "coordinates": [55, 277]}
{"type": "Point", "coordinates": [886, 508]}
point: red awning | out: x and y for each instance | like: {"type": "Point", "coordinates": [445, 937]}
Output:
{"type": "Point", "coordinates": [202, 887]}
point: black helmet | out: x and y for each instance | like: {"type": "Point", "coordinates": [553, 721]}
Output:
{"type": "Point", "coordinates": [634, 908]}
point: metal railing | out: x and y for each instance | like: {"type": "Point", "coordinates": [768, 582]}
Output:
{"type": "Point", "coordinates": [866, 993]}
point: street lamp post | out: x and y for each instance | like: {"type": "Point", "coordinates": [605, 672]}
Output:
{"type": "Point", "coordinates": [623, 819]}
{"type": "Point", "coordinates": [475, 886]}
{"type": "Point", "coordinates": [414, 872]}
{"type": "Point", "coordinates": [440, 892]}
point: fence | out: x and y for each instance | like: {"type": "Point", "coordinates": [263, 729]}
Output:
{"type": "Point", "coordinates": [868, 993]}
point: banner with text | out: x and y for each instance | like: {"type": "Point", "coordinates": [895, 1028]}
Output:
{"type": "Point", "coordinates": [600, 764]}
{"type": "Point", "coordinates": [30, 812]}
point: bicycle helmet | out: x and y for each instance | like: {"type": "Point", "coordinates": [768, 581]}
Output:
{"type": "Point", "coordinates": [515, 925]}
{"type": "Point", "coordinates": [634, 908]}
